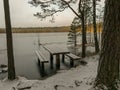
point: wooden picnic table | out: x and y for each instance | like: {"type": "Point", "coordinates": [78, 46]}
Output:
{"type": "Point", "coordinates": [57, 51]}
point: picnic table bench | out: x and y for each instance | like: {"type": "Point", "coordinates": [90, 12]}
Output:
{"type": "Point", "coordinates": [72, 58]}
{"type": "Point", "coordinates": [57, 51]}
{"type": "Point", "coordinates": [41, 60]}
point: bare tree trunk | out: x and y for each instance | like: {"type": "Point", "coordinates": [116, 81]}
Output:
{"type": "Point", "coordinates": [99, 32]}
{"type": "Point", "coordinates": [108, 70]}
{"type": "Point", "coordinates": [95, 27]}
{"type": "Point", "coordinates": [83, 38]}
{"type": "Point", "coordinates": [11, 68]}
{"type": "Point", "coordinates": [90, 34]}
{"type": "Point", "coordinates": [75, 44]}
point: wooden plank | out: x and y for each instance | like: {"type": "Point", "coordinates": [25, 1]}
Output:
{"type": "Point", "coordinates": [56, 50]}
{"type": "Point", "coordinates": [38, 55]}
{"type": "Point", "coordinates": [44, 58]}
{"type": "Point", "coordinates": [41, 61]}
{"type": "Point", "coordinates": [41, 57]}
{"type": "Point", "coordinates": [48, 49]}
{"type": "Point", "coordinates": [72, 56]}
{"type": "Point", "coordinates": [62, 50]}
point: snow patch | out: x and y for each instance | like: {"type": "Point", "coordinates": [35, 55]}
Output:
{"type": "Point", "coordinates": [79, 78]}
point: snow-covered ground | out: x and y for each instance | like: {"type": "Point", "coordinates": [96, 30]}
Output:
{"type": "Point", "coordinates": [79, 78]}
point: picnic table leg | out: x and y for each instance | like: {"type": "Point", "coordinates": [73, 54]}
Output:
{"type": "Point", "coordinates": [38, 61]}
{"type": "Point", "coordinates": [43, 68]}
{"type": "Point", "coordinates": [51, 61]}
{"type": "Point", "coordinates": [63, 58]}
{"type": "Point", "coordinates": [58, 61]}
{"type": "Point", "coordinates": [71, 62]}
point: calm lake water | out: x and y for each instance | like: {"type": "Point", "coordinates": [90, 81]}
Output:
{"type": "Point", "coordinates": [24, 51]}
{"type": "Point", "coordinates": [25, 45]}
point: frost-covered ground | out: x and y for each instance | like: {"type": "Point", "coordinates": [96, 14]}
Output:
{"type": "Point", "coordinates": [78, 78]}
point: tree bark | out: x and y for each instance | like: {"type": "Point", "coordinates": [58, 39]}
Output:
{"type": "Point", "coordinates": [11, 68]}
{"type": "Point", "coordinates": [108, 69]}
{"type": "Point", "coordinates": [95, 27]}
{"type": "Point", "coordinates": [83, 37]}
{"type": "Point", "coordinates": [75, 37]}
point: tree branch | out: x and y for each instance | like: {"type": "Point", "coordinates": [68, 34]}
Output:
{"type": "Point", "coordinates": [72, 8]}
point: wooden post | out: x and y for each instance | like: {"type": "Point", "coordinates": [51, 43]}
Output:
{"type": "Point", "coordinates": [42, 69]}
{"type": "Point", "coordinates": [58, 61]}
{"type": "Point", "coordinates": [38, 61]}
{"type": "Point", "coordinates": [71, 63]}
{"type": "Point", "coordinates": [63, 58]}
{"type": "Point", "coordinates": [51, 61]}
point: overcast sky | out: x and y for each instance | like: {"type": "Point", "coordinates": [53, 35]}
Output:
{"type": "Point", "coordinates": [22, 15]}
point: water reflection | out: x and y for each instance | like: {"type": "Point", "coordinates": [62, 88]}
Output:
{"type": "Point", "coordinates": [24, 51]}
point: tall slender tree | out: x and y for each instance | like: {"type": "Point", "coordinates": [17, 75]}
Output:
{"type": "Point", "coordinates": [95, 27]}
{"type": "Point", "coordinates": [108, 69]}
{"type": "Point", "coordinates": [11, 68]}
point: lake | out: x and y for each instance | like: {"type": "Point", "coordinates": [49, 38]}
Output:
{"type": "Point", "coordinates": [24, 51]}
{"type": "Point", "coordinates": [25, 44]}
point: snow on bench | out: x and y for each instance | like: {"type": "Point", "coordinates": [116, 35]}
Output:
{"type": "Point", "coordinates": [57, 51]}
{"type": "Point", "coordinates": [41, 57]}
{"type": "Point", "coordinates": [72, 58]}
{"type": "Point", "coordinates": [41, 60]}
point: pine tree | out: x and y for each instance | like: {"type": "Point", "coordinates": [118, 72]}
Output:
{"type": "Point", "coordinates": [11, 68]}
{"type": "Point", "coordinates": [95, 27]}
{"type": "Point", "coordinates": [72, 36]}
{"type": "Point", "coordinates": [108, 69]}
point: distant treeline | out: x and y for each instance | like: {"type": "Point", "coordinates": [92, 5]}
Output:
{"type": "Point", "coordinates": [38, 29]}
{"type": "Point", "coordinates": [49, 29]}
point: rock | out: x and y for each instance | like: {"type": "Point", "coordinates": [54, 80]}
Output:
{"type": "Point", "coordinates": [77, 83]}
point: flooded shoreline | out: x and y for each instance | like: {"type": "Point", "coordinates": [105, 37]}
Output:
{"type": "Point", "coordinates": [24, 51]}
{"type": "Point", "coordinates": [24, 45]}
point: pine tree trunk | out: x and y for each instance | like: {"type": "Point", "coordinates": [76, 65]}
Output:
{"type": "Point", "coordinates": [83, 38]}
{"type": "Point", "coordinates": [11, 68]}
{"type": "Point", "coordinates": [75, 44]}
{"type": "Point", "coordinates": [95, 27]}
{"type": "Point", "coordinates": [108, 70]}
